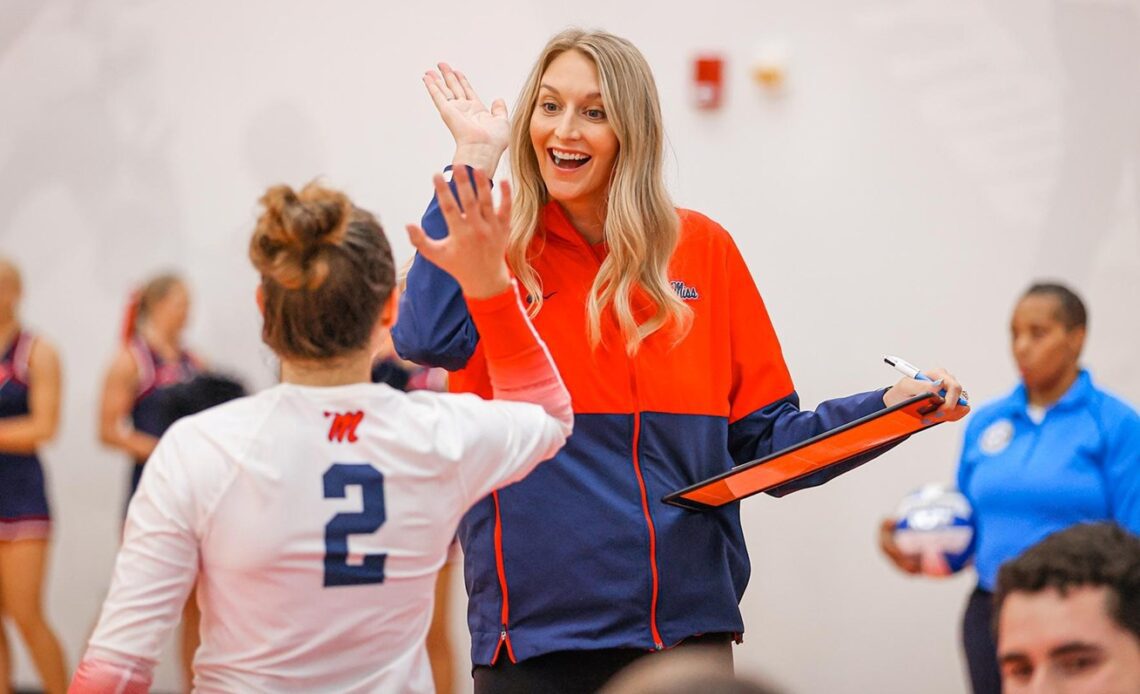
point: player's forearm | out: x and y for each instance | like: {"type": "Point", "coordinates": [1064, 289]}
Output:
{"type": "Point", "coordinates": [518, 362]}
{"type": "Point", "coordinates": [100, 672]}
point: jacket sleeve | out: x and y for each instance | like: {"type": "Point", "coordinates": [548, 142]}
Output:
{"type": "Point", "coordinates": [507, 439]}
{"type": "Point", "coordinates": [765, 409]}
{"type": "Point", "coordinates": [966, 461]}
{"type": "Point", "coordinates": [433, 326]}
{"type": "Point", "coordinates": [1122, 468]}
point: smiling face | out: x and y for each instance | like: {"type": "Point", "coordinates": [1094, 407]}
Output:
{"type": "Point", "coordinates": [573, 141]}
{"type": "Point", "coordinates": [1048, 642]}
{"type": "Point", "coordinates": [1046, 351]}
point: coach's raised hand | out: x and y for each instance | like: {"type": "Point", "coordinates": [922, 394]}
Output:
{"type": "Point", "coordinates": [474, 250]}
{"type": "Point", "coordinates": [481, 134]}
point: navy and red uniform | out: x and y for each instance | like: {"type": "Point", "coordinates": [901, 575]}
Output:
{"type": "Point", "coordinates": [582, 554]}
{"type": "Point", "coordinates": [24, 512]}
{"type": "Point", "coordinates": [149, 413]}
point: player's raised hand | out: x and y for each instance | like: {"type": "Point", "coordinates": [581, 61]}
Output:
{"type": "Point", "coordinates": [474, 251]}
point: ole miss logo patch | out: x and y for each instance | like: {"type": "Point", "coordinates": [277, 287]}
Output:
{"type": "Point", "coordinates": [343, 425]}
{"type": "Point", "coordinates": [684, 291]}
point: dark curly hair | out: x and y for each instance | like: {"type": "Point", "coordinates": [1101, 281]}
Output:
{"type": "Point", "coordinates": [1089, 554]}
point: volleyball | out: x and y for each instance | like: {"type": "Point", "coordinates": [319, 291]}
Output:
{"type": "Point", "coordinates": [936, 523]}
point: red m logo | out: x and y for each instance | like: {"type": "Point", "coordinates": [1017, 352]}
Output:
{"type": "Point", "coordinates": [344, 425]}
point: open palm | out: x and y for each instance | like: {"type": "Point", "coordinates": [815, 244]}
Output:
{"type": "Point", "coordinates": [471, 123]}
{"type": "Point", "coordinates": [474, 250]}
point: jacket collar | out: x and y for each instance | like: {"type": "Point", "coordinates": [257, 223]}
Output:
{"type": "Point", "coordinates": [555, 224]}
{"type": "Point", "coordinates": [1076, 396]}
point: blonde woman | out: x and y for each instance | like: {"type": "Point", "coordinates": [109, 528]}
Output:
{"type": "Point", "coordinates": [673, 366]}
{"type": "Point", "coordinates": [30, 385]}
{"type": "Point", "coordinates": [150, 360]}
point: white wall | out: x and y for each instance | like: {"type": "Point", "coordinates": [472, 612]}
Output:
{"type": "Point", "coordinates": [925, 162]}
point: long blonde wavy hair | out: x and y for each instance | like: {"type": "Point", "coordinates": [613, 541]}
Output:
{"type": "Point", "coordinates": [641, 225]}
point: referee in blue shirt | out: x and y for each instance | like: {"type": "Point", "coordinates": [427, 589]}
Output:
{"type": "Point", "coordinates": [1056, 451]}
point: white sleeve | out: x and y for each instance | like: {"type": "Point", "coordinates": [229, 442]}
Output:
{"type": "Point", "coordinates": [500, 441]}
{"type": "Point", "coordinates": [154, 573]}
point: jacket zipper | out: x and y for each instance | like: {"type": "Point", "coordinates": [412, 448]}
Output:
{"type": "Point", "coordinates": [657, 642]}
{"type": "Point", "coordinates": [505, 615]}
{"type": "Point", "coordinates": [504, 637]}
{"type": "Point", "coordinates": [653, 632]}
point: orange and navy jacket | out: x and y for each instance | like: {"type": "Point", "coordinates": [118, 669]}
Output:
{"type": "Point", "coordinates": [582, 554]}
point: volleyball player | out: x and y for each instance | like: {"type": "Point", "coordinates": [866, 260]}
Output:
{"type": "Point", "coordinates": [316, 514]}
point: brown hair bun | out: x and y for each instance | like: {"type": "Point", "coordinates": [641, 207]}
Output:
{"type": "Point", "coordinates": [326, 272]}
{"type": "Point", "coordinates": [293, 232]}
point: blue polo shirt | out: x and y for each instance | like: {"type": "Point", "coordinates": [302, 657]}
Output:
{"type": "Point", "coordinates": [1027, 480]}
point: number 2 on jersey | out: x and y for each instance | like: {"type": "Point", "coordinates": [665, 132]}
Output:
{"type": "Point", "coordinates": [338, 572]}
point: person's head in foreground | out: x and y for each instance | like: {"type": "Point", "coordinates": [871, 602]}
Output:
{"type": "Point", "coordinates": [693, 670]}
{"type": "Point", "coordinates": [1068, 614]}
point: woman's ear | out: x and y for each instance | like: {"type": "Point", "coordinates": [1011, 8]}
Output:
{"type": "Point", "coordinates": [260, 296]}
{"type": "Point", "coordinates": [1076, 338]}
{"type": "Point", "coordinates": [390, 310]}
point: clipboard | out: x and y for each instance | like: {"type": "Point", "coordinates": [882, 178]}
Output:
{"type": "Point", "coordinates": [820, 452]}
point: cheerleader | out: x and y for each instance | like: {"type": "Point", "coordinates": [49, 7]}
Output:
{"type": "Point", "coordinates": [29, 415]}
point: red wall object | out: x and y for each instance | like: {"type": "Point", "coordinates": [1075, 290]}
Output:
{"type": "Point", "coordinates": [708, 81]}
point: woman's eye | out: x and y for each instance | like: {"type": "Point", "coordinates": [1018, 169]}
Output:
{"type": "Point", "coordinates": [549, 106]}
{"type": "Point", "coordinates": [595, 113]}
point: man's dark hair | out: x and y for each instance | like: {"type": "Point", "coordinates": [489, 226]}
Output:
{"type": "Point", "coordinates": [1072, 313]}
{"type": "Point", "coordinates": [1089, 554]}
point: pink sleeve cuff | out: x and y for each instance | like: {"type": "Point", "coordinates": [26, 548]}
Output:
{"type": "Point", "coordinates": [518, 363]}
{"type": "Point", "coordinates": [504, 328]}
{"type": "Point", "coordinates": [96, 676]}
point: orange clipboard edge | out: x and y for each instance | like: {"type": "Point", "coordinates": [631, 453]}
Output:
{"type": "Point", "coordinates": [832, 447]}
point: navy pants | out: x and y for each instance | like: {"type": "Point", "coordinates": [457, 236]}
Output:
{"type": "Point", "coordinates": [980, 644]}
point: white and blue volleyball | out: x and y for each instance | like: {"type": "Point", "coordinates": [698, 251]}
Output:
{"type": "Point", "coordinates": [937, 524]}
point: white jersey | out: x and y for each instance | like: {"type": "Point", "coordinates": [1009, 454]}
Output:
{"type": "Point", "coordinates": [319, 516]}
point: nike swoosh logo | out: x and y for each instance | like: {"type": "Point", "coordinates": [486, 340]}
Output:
{"type": "Point", "coordinates": [545, 297]}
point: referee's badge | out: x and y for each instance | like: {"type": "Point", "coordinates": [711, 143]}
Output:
{"type": "Point", "coordinates": [996, 437]}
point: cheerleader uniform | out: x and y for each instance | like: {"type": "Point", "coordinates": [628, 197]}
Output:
{"type": "Point", "coordinates": [156, 375]}
{"type": "Point", "coordinates": [24, 513]}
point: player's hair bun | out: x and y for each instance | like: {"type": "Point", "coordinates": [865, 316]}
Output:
{"type": "Point", "coordinates": [295, 231]}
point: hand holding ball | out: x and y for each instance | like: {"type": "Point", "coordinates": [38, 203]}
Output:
{"type": "Point", "coordinates": [936, 525]}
